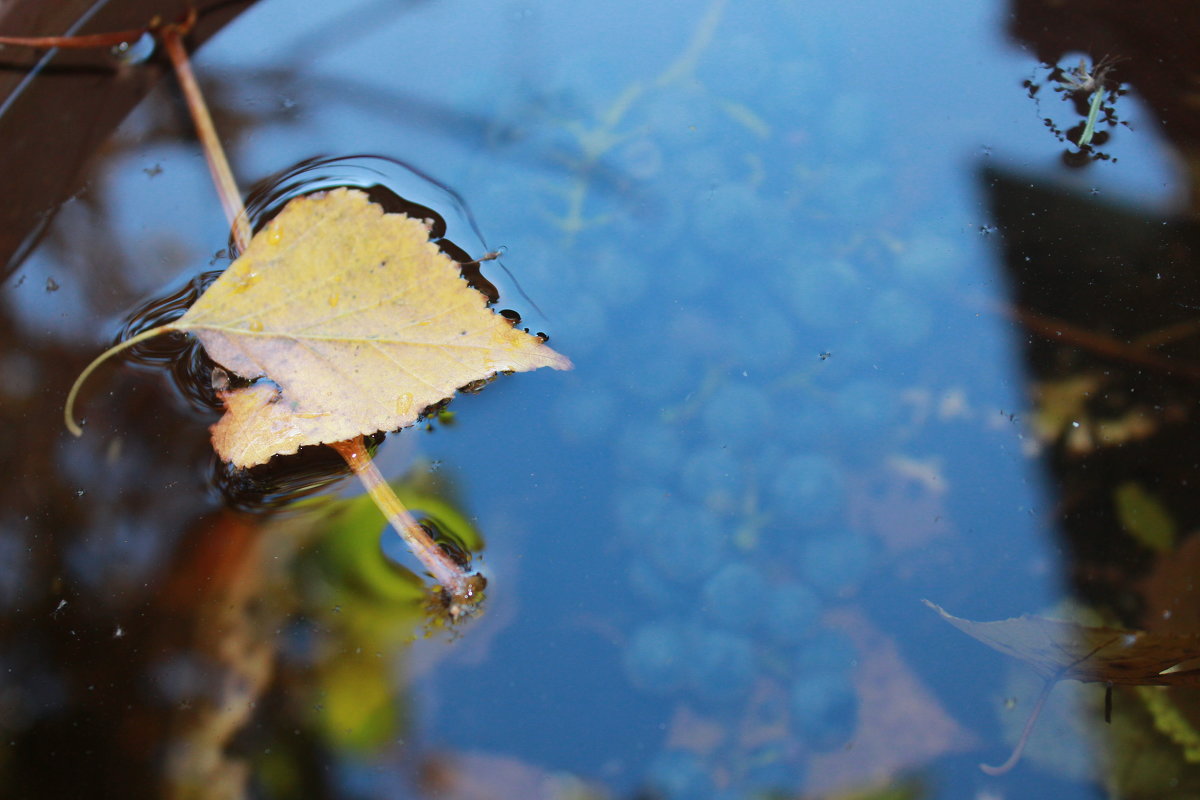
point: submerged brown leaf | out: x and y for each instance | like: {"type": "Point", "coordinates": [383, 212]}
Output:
{"type": "Point", "coordinates": [1061, 650]}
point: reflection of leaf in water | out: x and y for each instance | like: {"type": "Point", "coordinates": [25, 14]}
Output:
{"type": "Point", "coordinates": [368, 604]}
{"type": "Point", "coordinates": [1060, 650]}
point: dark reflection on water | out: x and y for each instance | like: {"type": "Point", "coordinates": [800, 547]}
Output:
{"type": "Point", "coordinates": [799, 409]}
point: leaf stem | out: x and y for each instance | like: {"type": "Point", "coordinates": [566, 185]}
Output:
{"type": "Point", "coordinates": [69, 408]}
{"type": "Point", "coordinates": [452, 578]}
{"type": "Point", "coordinates": [1025, 733]}
{"type": "Point", "coordinates": [218, 164]}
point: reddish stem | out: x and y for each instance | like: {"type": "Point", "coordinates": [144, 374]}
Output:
{"type": "Point", "coordinates": [445, 570]}
{"type": "Point", "coordinates": [231, 200]}
{"type": "Point", "coordinates": [79, 42]}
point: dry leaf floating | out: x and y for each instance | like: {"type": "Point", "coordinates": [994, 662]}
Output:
{"type": "Point", "coordinates": [356, 321]}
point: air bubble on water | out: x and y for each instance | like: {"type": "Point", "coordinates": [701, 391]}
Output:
{"type": "Point", "coordinates": [135, 52]}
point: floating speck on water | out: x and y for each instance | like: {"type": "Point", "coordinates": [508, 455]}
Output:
{"type": "Point", "coordinates": [1075, 423]}
{"type": "Point", "coordinates": [1094, 191]}
{"type": "Point", "coordinates": [987, 230]}
{"type": "Point", "coordinates": [51, 285]}
{"type": "Point", "coordinates": [337, 609]}
{"type": "Point", "coordinates": [153, 171]}
{"type": "Point", "coordinates": [80, 492]}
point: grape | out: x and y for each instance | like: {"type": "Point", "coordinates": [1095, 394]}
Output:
{"type": "Point", "coordinates": [650, 449]}
{"type": "Point", "coordinates": [825, 295]}
{"type": "Point", "coordinates": [646, 506]}
{"type": "Point", "coordinates": [836, 560]}
{"type": "Point", "coordinates": [714, 477]}
{"type": "Point", "coordinates": [808, 488]}
{"type": "Point", "coordinates": [791, 611]}
{"type": "Point", "coordinates": [686, 547]}
{"type": "Point", "coordinates": [720, 666]}
{"type": "Point", "coordinates": [651, 586]}
{"type": "Point", "coordinates": [824, 709]}
{"type": "Point", "coordinates": [827, 651]}
{"type": "Point", "coordinates": [655, 658]}
{"type": "Point", "coordinates": [735, 596]}
{"type": "Point", "coordinates": [767, 338]}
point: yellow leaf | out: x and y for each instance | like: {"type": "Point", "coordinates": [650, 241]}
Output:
{"type": "Point", "coordinates": [356, 322]}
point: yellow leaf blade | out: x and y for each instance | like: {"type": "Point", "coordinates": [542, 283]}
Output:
{"type": "Point", "coordinates": [359, 321]}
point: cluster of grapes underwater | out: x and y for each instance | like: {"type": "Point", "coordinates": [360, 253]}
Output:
{"type": "Point", "coordinates": [750, 324]}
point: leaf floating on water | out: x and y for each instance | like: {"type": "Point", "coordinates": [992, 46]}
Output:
{"type": "Point", "coordinates": [405, 332]}
{"type": "Point", "coordinates": [1060, 650]}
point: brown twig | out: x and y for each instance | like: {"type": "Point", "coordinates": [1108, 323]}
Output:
{"type": "Point", "coordinates": [87, 41]}
{"type": "Point", "coordinates": [453, 579]}
{"type": "Point", "coordinates": [1057, 330]}
{"type": "Point", "coordinates": [231, 199]}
